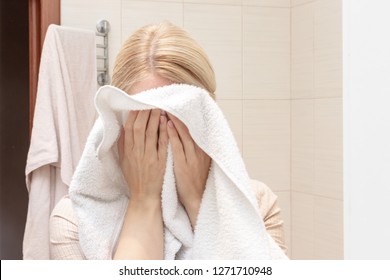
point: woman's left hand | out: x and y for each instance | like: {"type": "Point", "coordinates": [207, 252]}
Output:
{"type": "Point", "coordinates": [191, 167]}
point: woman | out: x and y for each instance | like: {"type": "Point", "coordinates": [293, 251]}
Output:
{"type": "Point", "coordinates": [154, 56]}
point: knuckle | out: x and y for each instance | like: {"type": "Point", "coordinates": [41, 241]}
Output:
{"type": "Point", "coordinates": [175, 145]}
{"type": "Point", "coordinates": [149, 133]}
{"type": "Point", "coordinates": [128, 126]}
{"type": "Point", "coordinates": [173, 135]}
{"type": "Point", "coordinates": [162, 128]}
{"type": "Point", "coordinates": [176, 149]}
{"type": "Point", "coordinates": [137, 128]}
{"type": "Point", "coordinates": [162, 142]}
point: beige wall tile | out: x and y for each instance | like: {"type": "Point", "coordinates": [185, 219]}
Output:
{"type": "Point", "coordinates": [267, 3]}
{"type": "Point", "coordinates": [136, 14]}
{"type": "Point", "coordinates": [328, 73]}
{"type": "Point", "coordinates": [302, 28]}
{"type": "Point", "coordinates": [266, 141]}
{"type": "Point", "coordinates": [175, 1]}
{"type": "Point", "coordinates": [317, 227]}
{"type": "Point", "coordinates": [316, 130]}
{"type": "Point", "coordinates": [218, 29]}
{"type": "Point", "coordinates": [328, 48]}
{"type": "Point", "coordinates": [302, 51]}
{"type": "Point", "coordinates": [266, 53]}
{"type": "Point", "coordinates": [302, 75]}
{"type": "Point", "coordinates": [328, 228]}
{"type": "Point", "coordinates": [302, 226]}
{"type": "Point", "coordinates": [328, 162]}
{"type": "Point", "coordinates": [220, 2]}
{"type": "Point", "coordinates": [300, 2]}
{"type": "Point", "coordinates": [85, 14]}
{"type": "Point", "coordinates": [232, 110]}
{"type": "Point", "coordinates": [328, 23]}
{"type": "Point", "coordinates": [302, 145]}
{"type": "Point", "coordinates": [284, 202]}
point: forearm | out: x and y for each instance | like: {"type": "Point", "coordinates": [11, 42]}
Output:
{"type": "Point", "coordinates": [142, 232]}
{"type": "Point", "coordinates": [192, 208]}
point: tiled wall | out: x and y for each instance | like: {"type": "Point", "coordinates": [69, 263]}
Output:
{"type": "Point", "coordinates": [316, 130]}
{"type": "Point", "coordinates": [257, 47]}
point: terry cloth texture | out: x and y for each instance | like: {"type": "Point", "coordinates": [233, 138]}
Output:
{"type": "Point", "coordinates": [229, 224]}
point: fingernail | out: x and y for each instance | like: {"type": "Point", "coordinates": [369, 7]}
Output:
{"type": "Point", "coordinates": [170, 123]}
{"type": "Point", "coordinates": [162, 119]}
{"type": "Point", "coordinates": [163, 113]}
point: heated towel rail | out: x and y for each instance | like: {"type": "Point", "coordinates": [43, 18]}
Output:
{"type": "Point", "coordinates": [103, 27]}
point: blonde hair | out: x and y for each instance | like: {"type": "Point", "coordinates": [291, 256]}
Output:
{"type": "Point", "coordinates": [164, 50]}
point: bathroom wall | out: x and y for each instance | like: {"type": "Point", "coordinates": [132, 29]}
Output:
{"type": "Point", "coordinates": [316, 129]}
{"type": "Point", "coordinates": [289, 136]}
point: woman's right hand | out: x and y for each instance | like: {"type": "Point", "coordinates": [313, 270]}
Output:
{"type": "Point", "coordinates": [142, 147]}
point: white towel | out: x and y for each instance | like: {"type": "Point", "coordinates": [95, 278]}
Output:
{"type": "Point", "coordinates": [64, 114]}
{"type": "Point", "coordinates": [229, 224]}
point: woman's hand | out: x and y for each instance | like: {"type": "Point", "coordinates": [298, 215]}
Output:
{"type": "Point", "coordinates": [142, 149]}
{"type": "Point", "coordinates": [191, 167]}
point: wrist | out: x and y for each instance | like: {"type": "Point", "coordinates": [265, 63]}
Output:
{"type": "Point", "coordinates": [191, 204]}
{"type": "Point", "coordinates": [192, 208]}
{"type": "Point", "coordinates": [191, 200]}
{"type": "Point", "coordinates": [144, 202]}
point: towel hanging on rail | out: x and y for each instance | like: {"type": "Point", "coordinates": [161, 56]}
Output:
{"type": "Point", "coordinates": [64, 115]}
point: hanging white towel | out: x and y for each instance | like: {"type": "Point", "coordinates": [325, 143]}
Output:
{"type": "Point", "coordinates": [64, 114]}
{"type": "Point", "coordinates": [229, 224]}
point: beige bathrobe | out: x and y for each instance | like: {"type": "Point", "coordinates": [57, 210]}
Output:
{"type": "Point", "coordinates": [64, 240]}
